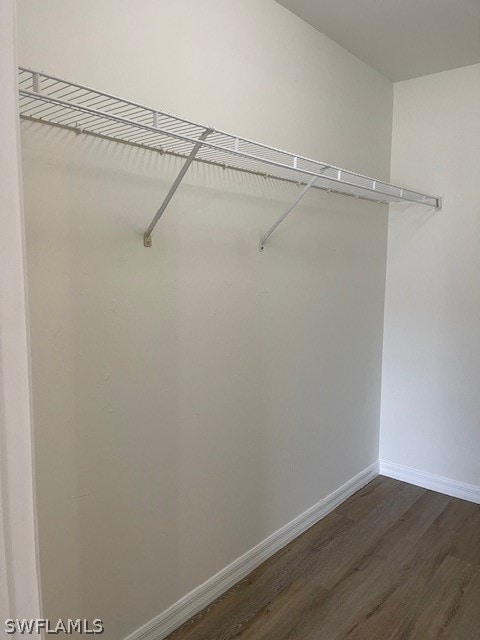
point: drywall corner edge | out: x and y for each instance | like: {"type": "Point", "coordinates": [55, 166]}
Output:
{"type": "Point", "coordinates": [447, 486]}
{"type": "Point", "coordinates": [203, 595]}
{"type": "Point", "coordinates": [19, 565]}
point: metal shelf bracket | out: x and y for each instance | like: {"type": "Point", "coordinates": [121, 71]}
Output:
{"type": "Point", "coordinates": [279, 220]}
{"type": "Point", "coordinates": [147, 236]}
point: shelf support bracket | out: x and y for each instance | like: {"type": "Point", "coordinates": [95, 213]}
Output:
{"type": "Point", "coordinates": [147, 236]}
{"type": "Point", "coordinates": [279, 220]}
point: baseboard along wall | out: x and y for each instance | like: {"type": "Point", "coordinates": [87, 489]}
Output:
{"type": "Point", "coordinates": [449, 487]}
{"type": "Point", "coordinates": [203, 595]}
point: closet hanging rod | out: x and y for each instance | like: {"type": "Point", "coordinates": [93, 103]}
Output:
{"type": "Point", "coordinates": [48, 99]}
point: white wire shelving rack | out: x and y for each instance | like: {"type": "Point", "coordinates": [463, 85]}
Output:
{"type": "Point", "coordinates": [47, 99]}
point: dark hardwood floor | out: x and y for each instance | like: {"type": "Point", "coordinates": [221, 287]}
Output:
{"type": "Point", "coordinates": [394, 562]}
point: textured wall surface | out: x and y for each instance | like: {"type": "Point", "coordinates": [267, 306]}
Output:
{"type": "Point", "coordinates": [192, 398]}
{"type": "Point", "coordinates": [430, 398]}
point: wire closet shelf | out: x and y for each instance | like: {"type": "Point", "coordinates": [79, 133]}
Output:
{"type": "Point", "coordinates": [47, 99]}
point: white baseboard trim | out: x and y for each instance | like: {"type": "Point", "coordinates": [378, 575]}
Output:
{"type": "Point", "coordinates": [427, 480]}
{"type": "Point", "coordinates": [206, 593]}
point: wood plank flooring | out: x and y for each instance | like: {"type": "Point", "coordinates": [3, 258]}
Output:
{"type": "Point", "coordinates": [394, 562]}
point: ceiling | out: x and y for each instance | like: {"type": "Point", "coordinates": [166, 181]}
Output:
{"type": "Point", "coordinates": [402, 39]}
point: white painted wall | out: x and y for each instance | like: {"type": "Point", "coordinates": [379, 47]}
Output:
{"type": "Point", "coordinates": [431, 363]}
{"type": "Point", "coordinates": [192, 398]}
{"type": "Point", "coordinates": [19, 586]}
